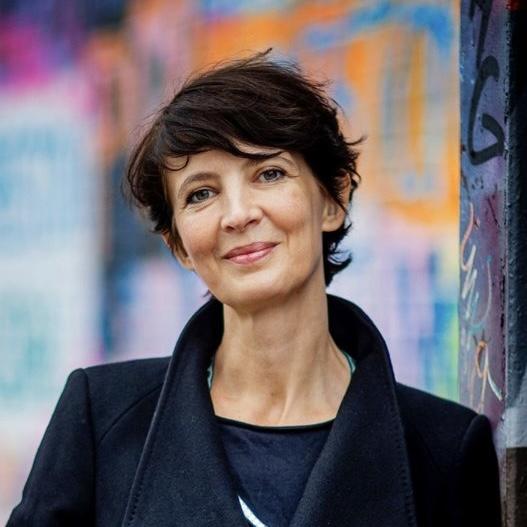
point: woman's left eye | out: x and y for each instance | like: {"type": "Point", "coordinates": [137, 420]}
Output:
{"type": "Point", "coordinates": [276, 173]}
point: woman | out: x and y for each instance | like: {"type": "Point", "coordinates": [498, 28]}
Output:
{"type": "Point", "coordinates": [278, 405]}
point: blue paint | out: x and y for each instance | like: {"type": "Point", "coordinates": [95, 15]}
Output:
{"type": "Point", "coordinates": [403, 276]}
{"type": "Point", "coordinates": [60, 17]}
{"type": "Point", "coordinates": [47, 183]}
{"type": "Point", "coordinates": [440, 358]}
{"type": "Point", "coordinates": [28, 344]}
{"type": "Point", "coordinates": [226, 8]}
{"type": "Point", "coordinates": [434, 20]}
{"type": "Point", "coordinates": [343, 94]}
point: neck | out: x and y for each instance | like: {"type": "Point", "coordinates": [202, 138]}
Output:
{"type": "Point", "coordinates": [279, 365]}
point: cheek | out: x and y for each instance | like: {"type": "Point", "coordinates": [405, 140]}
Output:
{"type": "Point", "coordinates": [296, 211]}
{"type": "Point", "coordinates": [197, 237]}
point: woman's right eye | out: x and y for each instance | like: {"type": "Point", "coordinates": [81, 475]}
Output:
{"type": "Point", "coordinates": [197, 193]}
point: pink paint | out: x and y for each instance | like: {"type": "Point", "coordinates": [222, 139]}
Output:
{"type": "Point", "coordinates": [24, 53]}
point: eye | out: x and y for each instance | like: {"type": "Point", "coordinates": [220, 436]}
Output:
{"type": "Point", "coordinates": [273, 172]}
{"type": "Point", "coordinates": [198, 192]}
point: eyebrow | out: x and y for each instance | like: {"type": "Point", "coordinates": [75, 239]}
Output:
{"type": "Point", "coordinates": [205, 176]}
{"type": "Point", "coordinates": [195, 178]}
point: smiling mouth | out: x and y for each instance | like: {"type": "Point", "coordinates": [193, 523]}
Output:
{"type": "Point", "coordinates": [251, 257]}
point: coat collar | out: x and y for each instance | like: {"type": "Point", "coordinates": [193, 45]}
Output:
{"type": "Point", "coordinates": [361, 477]}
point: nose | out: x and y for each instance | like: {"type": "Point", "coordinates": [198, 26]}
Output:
{"type": "Point", "coordinates": [240, 209]}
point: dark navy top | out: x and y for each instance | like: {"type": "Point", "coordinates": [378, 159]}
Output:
{"type": "Point", "coordinates": [271, 464]}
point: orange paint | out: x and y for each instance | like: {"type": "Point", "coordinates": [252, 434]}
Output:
{"type": "Point", "coordinates": [386, 72]}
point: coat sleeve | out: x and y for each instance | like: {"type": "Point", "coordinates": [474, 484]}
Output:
{"type": "Point", "coordinates": [60, 487]}
{"type": "Point", "coordinates": [477, 489]}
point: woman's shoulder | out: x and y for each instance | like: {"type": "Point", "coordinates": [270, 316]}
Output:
{"type": "Point", "coordinates": [128, 379]}
{"type": "Point", "coordinates": [425, 406]}
{"type": "Point", "coordinates": [116, 390]}
{"type": "Point", "coordinates": [129, 375]}
{"type": "Point", "coordinates": [442, 428]}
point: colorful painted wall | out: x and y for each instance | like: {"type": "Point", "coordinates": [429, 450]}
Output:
{"type": "Point", "coordinates": [483, 181]}
{"type": "Point", "coordinates": [83, 282]}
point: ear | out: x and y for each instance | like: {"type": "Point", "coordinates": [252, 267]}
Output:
{"type": "Point", "coordinates": [333, 216]}
{"type": "Point", "coordinates": [177, 251]}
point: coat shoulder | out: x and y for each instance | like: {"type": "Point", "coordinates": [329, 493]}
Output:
{"type": "Point", "coordinates": [435, 424]}
{"type": "Point", "coordinates": [116, 389]}
{"type": "Point", "coordinates": [452, 460]}
{"type": "Point", "coordinates": [424, 405]}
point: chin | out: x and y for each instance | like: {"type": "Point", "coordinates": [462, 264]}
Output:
{"type": "Point", "coordinates": [253, 294]}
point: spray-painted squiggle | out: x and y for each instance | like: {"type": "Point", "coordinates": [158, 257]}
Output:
{"type": "Point", "coordinates": [470, 279]}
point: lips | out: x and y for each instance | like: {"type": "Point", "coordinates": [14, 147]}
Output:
{"type": "Point", "coordinates": [251, 248]}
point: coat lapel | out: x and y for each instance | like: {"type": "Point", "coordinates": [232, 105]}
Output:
{"type": "Point", "coordinates": [362, 476]}
{"type": "Point", "coordinates": [182, 478]}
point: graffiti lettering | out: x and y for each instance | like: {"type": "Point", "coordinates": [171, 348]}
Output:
{"type": "Point", "coordinates": [485, 6]}
{"type": "Point", "coordinates": [482, 370]}
{"type": "Point", "coordinates": [469, 293]}
{"type": "Point", "coordinates": [488, 68]}
{"type": "Point", "coordinates": [477, 347]}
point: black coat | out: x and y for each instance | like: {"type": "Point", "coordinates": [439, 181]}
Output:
{"type": "Point", "coordinates": [136, 444]}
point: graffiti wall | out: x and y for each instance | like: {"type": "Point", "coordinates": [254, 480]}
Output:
{"type": "Point", "coordinates": [84, 282]}
{"type": "Point", "coordinates": [483, 178]}
{"type": "Point", "coordinates": [493, 255]}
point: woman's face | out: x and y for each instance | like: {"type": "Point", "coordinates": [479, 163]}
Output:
{"type": "Point", "coordinates": [221, 202]}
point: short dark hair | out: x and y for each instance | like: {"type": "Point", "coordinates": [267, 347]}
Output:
{"type": "Point", "coordinates": [253, 100]}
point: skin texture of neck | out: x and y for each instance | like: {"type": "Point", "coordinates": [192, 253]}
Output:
{"type": "Point", "coordinates": [279, 365]}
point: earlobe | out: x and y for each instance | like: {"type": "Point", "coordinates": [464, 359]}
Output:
{"type": "Point", "coordinates": [183, 258]}
{"type": "Point", "coordinates": [166, 240]}
{"type": "Point", "coordinates": [334, 216]}
{"type": "Point", "coordinates": [178, 252]}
